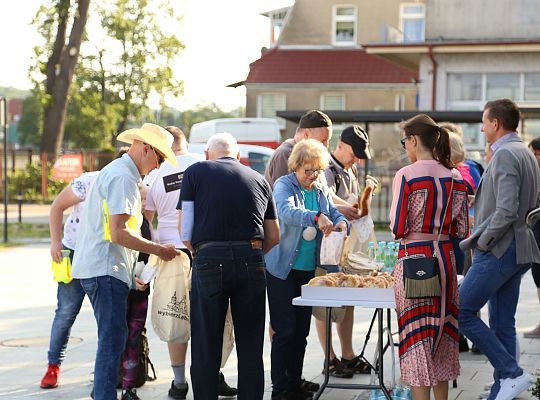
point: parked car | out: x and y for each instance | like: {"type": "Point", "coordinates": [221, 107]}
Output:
{"type": "Point", "coordinates": [255, 157]}
{"type": "Point", "coordinates": [255, 131]}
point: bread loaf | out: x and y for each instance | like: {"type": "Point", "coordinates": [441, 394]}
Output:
{"type": "Point", "coordinates": [364, 202]}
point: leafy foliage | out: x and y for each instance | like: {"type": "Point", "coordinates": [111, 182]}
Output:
{"type": "Point", "coordinates": [31, 123]}
{"type": "Point", "coordinates": [535, 390]}
{"type": "Point", "coordinates": [145, 54]}
{"type": "Point", "coordinates": [28, 182]}
{"type": "Point", "coordinates": [115, 75]}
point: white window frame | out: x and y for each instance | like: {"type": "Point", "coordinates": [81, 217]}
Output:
{"type": "Point", "coordinates": [344, 18]}
{"type": "Point", "coordinates": [479, 104]}
{"type": "Point", "coordinates": [399, 102]}
{"type": "Point", "coordinates": [403, 16]}
{"type": "Point", "coordinates": [281, 122]}
{"type": "Point", "coordinates": [322, 101]}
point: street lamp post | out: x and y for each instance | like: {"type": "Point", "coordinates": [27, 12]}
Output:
{"type": "Point", "coordinates": [4, 123]}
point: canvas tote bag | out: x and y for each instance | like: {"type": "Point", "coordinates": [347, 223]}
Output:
{"type": "Point", "coordinates": [170, 302]}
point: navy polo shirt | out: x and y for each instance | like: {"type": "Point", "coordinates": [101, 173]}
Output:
{"type": "Point", "coordinates": [231, 201]}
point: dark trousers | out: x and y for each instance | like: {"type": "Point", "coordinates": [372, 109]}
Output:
{"type": "Point", "coordinates": [222, 274]}
{"type": "Point", "coordinates": [291, 328]}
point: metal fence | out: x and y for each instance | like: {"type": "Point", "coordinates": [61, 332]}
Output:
{"type": "Point", "coordinates": [19, 160]}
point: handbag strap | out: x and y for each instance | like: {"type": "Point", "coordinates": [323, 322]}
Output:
{"type": "Point", "coordinates": [376, 358]}
{"type": "Point", "coordinates": [444, 217]}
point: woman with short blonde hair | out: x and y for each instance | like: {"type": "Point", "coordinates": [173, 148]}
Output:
{"type": "Point", "coordinates": [308, 151]}
{"type": "Point", "coordinates": [305, 213]}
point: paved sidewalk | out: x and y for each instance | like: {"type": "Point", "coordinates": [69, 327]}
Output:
{"type": "Point", "coordinates": [30, 213]}
{"type": "Point", "coordinates": [27, 303]}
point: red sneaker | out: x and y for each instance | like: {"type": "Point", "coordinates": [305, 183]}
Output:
{"type": "Point", "coordinates": [50, 380]}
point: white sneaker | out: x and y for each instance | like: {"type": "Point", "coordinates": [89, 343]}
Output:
{"type": "Point", "coordinates": [511, 387]}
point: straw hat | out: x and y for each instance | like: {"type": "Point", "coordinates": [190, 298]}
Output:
{"type": "Point", "coordinates": [154, 135]}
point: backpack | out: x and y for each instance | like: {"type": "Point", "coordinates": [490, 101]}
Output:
{"type": "Point", "coordinates": [143, 372]}
{"type": "Point", "coordinates": [337, 176]}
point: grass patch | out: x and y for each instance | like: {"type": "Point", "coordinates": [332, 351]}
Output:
{"type": "Point", "coordinates": [25, 230]}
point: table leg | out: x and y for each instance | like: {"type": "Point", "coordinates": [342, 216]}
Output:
{"type": "Point", "coordinates": [381, 354]}
{"type": "Point", "coordinates": [317, 395]}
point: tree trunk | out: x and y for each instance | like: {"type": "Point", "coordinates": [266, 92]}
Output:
{"type": "Point", "coordinates": [60, 69]}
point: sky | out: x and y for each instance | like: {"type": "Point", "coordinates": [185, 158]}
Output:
{"type": "Point", "coordinates": [221, 37]}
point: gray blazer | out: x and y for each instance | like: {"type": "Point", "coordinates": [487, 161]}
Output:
{"type": "Point", "coordinates": [507, 191]}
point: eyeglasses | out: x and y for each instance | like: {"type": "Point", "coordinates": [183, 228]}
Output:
{"type": "Point", "coordinates": [402, 141]}
{"type": "Point", "coordinates": [310, 172]}
{"type": "Point", "coordinates": [159, 157]}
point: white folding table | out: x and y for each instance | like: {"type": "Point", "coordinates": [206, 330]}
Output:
{"type": "Point", "coordinates": [379, 307]}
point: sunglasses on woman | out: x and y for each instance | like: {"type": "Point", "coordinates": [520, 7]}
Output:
{"type": "Point", "coordinates": [402, 141]}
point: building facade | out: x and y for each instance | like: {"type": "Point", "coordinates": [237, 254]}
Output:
{"type": "Point", "coordinates": [474, 51]}
{"type": "Point", "coordinates": [317, 60]}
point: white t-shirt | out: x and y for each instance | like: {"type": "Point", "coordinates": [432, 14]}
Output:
{"type": "Point", "coordinates": [163, 194]}
{"type": "Point", "coordinates": [80, 187]}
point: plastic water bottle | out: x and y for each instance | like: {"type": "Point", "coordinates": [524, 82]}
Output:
{"type": "Point", "coordinates": [371, 251]}
{"type": "Point", "coordinates": [389, 257]}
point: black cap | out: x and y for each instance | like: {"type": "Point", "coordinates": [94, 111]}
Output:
{"type": "Point", "coordinates": [357, 138]}
{"type": "Point", "coordinates": [315, 119]}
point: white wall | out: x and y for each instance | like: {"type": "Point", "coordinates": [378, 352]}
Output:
{"type": "Point", "coordinates": [469, 63]}
{"type": "Point", "coordinates": [482, 19]}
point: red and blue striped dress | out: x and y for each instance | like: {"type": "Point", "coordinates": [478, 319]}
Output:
{"type": "Point", "coordinates": [428, 328]}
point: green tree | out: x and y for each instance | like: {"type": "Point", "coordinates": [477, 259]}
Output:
{"type": "Point", "coordinates": [31, 122]}
{"type": "Point", "coordinates": [145, 54]}
{"type": "Point", "coordinates": [92, 117]}
{"type": "Point", "coordinates": [61, 55]}
{"type": "Point", "coordinates": [112, 84]}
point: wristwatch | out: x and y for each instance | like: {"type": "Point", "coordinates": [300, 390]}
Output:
{"type": "Point", "coordinates": [316, 219]}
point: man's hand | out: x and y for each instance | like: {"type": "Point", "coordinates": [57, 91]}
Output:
{"type": "Point", "coordinates": [372, 179]}
{"type": "Point", "coordinates": [168, 252]}
{"type": "Point", "coordinates": [348, 211]}
{"type": "Point", "coordinates": [140, 284]}
{"type": "Point", "coordinates": [325, 225]}
{"type": "Point", "coordinates": [56, 248]}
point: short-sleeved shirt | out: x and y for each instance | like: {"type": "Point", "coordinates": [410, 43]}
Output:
{"type": "Point", "coordinates": [163, 195]}
{"type": "Point", "coordinates": [115, 192]}
{"type": "Point", "coordinates": [277, 165]}
{"type": "Point", "coordinates": [231, 201]}
{"type": "Point", "coordinates": [343, 182]}
{"type": "Point", "coordinates": [80, 187]}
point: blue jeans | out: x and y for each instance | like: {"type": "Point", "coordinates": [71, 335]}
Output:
{"type": "Point", "coordinates": [108, 296]}
{"type": "Point", "coordinates": [291, 328]}
{"type": "Point", "coordinates": [69, 300]}
{"type": "Point", "coordinates": [221, 274]}
{"type": "Point", "coordinates": [496, 281]}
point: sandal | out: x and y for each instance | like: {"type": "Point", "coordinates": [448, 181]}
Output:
{"type": "Point", "coordinates": [337, 370]}
{"type": "Point", "coordinates": [358, 365]}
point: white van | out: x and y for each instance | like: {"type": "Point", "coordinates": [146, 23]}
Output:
{"type": "Point", "coordinates": [255, 157]}
{"type": "Point", "coordinates": [257, 131]}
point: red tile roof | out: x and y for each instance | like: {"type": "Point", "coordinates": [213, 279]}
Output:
{"type": "Point", "coordinates": [326, 66]}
